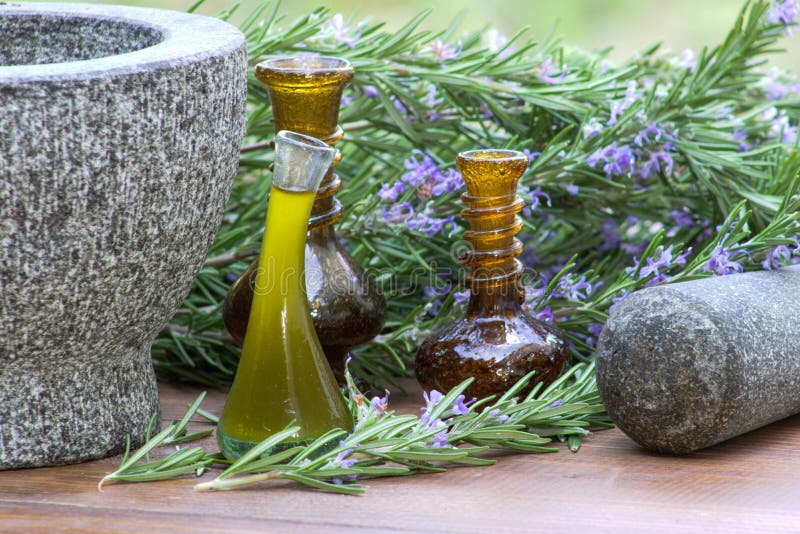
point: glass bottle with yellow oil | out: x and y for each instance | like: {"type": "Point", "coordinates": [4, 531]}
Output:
{"type": "Point", "coordinates": [347, 309]}
{"type": "Point", "coordinates": [283, 375]}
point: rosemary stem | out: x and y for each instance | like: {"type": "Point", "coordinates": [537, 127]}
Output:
{"type": "Point", "coordinates": [232, 483]}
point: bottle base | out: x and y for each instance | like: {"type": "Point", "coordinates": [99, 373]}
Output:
{"type": "Point", "coordinates": [233, 448]}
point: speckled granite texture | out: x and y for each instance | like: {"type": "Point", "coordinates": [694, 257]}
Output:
{"type": "Point", "coordinates": [119, 137]}
{"type": "Point", "coordinates": [684, 366]}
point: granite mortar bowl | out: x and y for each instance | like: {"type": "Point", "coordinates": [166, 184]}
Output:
{"type": "Point", "coordinates": [119, 136]}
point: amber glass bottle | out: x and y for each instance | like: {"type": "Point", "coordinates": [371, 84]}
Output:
{"type": "Point", "coordinates": [347, 309]}
{"type": "Point", "coordinates": [283, 375]}
{"type": "Point", "coordinates": [497, 342]}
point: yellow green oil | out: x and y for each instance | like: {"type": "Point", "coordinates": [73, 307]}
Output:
{"type": "Point", "coordinates": [283, 375]}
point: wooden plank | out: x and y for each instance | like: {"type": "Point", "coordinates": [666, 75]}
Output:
{"type": "Point", "coordinates": [749, 483]}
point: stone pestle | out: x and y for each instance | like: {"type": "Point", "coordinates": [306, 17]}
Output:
{"type": "Point", "coordinates": [684, 366]}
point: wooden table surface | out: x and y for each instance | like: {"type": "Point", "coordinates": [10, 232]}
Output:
{"type": "Point", "coordinates": [750, 483]}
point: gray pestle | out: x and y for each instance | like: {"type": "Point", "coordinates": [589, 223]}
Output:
{"type": "Point", "coordinates": [684, 366]}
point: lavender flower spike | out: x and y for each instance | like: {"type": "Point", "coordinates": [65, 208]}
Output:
{"type": "Point", "coordinates": [444, 51]}
{"type": "Point", "coordinates": [495, 414]}
{"type": "Point", "coordinates": [721, 264]}
{"type": "Point", "coordinates": [431, 400]}
{"type": "Point", "coordinates": [440, 439]}
{"type": "Point", "coordinates": [460, 407]}
{"type": "Point", "coordinates": [547, 70]}
{"type": "Point", "coordinates": [778, 256]}
{"type": "Point", "coordinates": [643, 137]}
{"type": "Point", "coordinates": [785, 12]}
{"type": "Point", "coordinates": [380, 405]}
{"type": "Point", "coordinates": [336, 28]}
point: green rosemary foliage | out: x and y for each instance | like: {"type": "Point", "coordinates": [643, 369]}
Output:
{"type": "Point", "coordinates": [662, 169]}
{"type": "Point", "coordinates": [178, 463]}
{"type": "Point", "coordinates": [450, 432]}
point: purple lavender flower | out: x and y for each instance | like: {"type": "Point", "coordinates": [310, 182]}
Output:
{"type": "Point", "coordinates": [431, 226]}
{"type": "Point", "coordinates": [531, 155]}
{"type": "Point", "coordinates": [572, 189]}
{"type": "Point", "coordinates": [554, 404]}
{"type": "Point", "coordinates": [778, 256]}
{"type": "Point", "coordinates": [618, 161]}
{"type": "Point", "coordinates": [619, 107]}
{"type": "Point", "coordinates": [397, 213]}
{"type": "Point", "coordinates": [665, 261]}
{"type": "Point", "coordinates": [547, 70]}
{"type": "Point", "coordinates": [370, 91]}
{"type": "Point", "coordinates": [687, 60]}
{"type": "Point", "coordinates": [654, 164]}
{"type": "Point", "coordinates": [444, 51]}
{"type": "Point", "coordinates": [424, 175]}
{"type": "Point", "coordinates": [341, 458]}
{"type": "Point", "coordinates": [643, 137]}
{"type": "Point", "coordinates": [721, 264]}
{"type": "Point", "coordinates": [390, 193]}
{"type": "Point", "coordinates": [534, 294]}
{"type": "Point", "coordinates": [775, 89]}
{"type": "Point", "coordinates": [430, 99]}
{"type": "Point", "coordinates": [399, 106]}
{"type": "Point", "coordinates": [380, 405]}
{"type": "Point", "coordinates": [682, 218]}
{"type": "Point", "coordinates": [461, 296]}
{"type": "Point", "coordinates": [431, 102]}
{"type": "Point", "coordinates": [592, 128]}
{"type": "Point", "coordinates": [741, 136]}
{"type": "Point", "coordinates": [434, 293]}
{"type": "Point", "coordinates": [633, 248]}
{"type": "Point", "coordinates": [545, 315]}
{"type": "Point", "coordinates": [460, 407]}
{"type": "Point", "coordinates": [495, 41]}
{"type": "Point", "coordinates": [785, 12]}
{"type": "Point", "coordinates": [486, 113]}
{"type": "Point", "coordinates": [449, 181]}
{"type": "Point", "coordinates": [431, 400]}
{"type": "Point", "coordinates": [496, 415]}
{"type": "Point", "coordinates": [575, 292]}
{"type": "Point", "coordinates": [594, 330]}
{"type": "Point", "coordinates": [439, 440]}
{"type": "Point", "coordinates": [420, 168]}
{"type": "Point", "coordinates": [537, 195]}
{"type": "Point", "coordinates": [611, 237]}
{"type": "Point", "coordinates": [335, 27]}
{"type": "Point", "coordinates": [344, 463]}
{"type": "Point", "coordinates": [782, 128]}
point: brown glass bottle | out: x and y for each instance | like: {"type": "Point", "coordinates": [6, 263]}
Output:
{"type": "Point", "coordinates": [346, 308]}
{"type": "Point", "coordinates": [497, 342]}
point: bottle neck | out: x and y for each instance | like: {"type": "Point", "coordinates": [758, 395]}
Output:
{"type": "Point", "coordinates": [326, 209]}
{"type": "Point", "coordinates": [321, 235]}
{"type": "Point", "coordinates": [497, 300]}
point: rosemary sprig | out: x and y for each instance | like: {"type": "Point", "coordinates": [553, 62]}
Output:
{"type": "Point", "coordinates": [385, 444]}
{"type": "Point", "coordinates": [180, 462]}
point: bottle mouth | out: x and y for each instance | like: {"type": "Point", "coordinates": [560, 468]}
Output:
{"type": "Point", "coordinates": [305, 142]}
{"type": "Point", "coordinates": [300, 161]}
{"type": "Point", "coordinates": [492, 155]}
{"type": "Point", "coordinates": [306, 64]}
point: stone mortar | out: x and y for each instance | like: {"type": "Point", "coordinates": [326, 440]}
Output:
{"type": "Point", "coordinates": [684, 366]}
{"type": "Point", "coordinates": [119, 136]}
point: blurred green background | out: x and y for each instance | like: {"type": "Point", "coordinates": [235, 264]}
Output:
{"type": "Point", "coordinates": [627, 25]}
